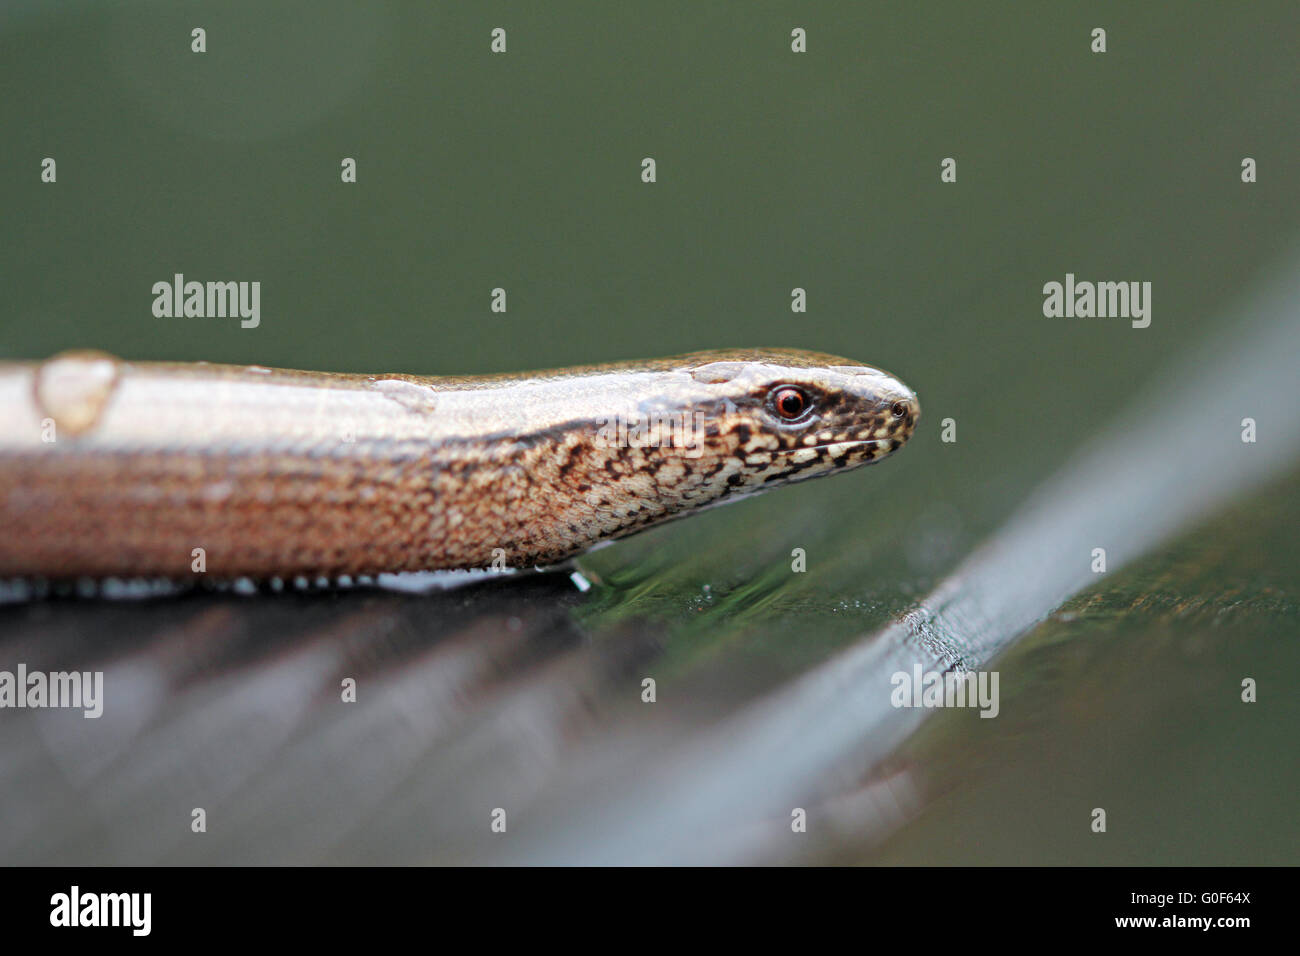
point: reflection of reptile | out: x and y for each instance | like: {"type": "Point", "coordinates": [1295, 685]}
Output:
{"type": "Point", "coordinates": [118, 468]}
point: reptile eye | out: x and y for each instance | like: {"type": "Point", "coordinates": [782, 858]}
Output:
{"type": "Point", "coordinates": [790, 403]}
{"type": "Point", "coordinates": [899, 409]}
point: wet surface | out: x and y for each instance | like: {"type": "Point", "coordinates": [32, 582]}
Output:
{"type": "Point", "coordinates": [1129, 698]}
{"type": "Point", "coordinates": [527, 694]}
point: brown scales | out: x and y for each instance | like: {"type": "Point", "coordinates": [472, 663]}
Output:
{"type": "Point", "coordinates": [433, 478]}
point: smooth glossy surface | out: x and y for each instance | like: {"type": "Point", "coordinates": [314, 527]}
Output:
{"type": "Point", "coordinates": [113, 468]}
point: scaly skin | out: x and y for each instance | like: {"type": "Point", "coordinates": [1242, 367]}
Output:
{"type": "Point", "coordinates": [276, 473]}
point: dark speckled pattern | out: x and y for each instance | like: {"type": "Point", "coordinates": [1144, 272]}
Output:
{"type": "Point", "coordinates": [278, 473]}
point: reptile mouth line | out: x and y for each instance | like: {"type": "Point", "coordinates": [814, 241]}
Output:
{"type": "Point", "coordinates": [840, 444]}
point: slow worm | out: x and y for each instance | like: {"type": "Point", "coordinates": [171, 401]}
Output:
{"type": "Point", "coordinates": [116, 468]}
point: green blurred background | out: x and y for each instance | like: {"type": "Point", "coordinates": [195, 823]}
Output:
{"type": "Point", "coordinates": [775, 170]}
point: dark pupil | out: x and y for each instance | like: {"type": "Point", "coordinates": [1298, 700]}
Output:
{"type": "Point", "coordinates": [791, 403]}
